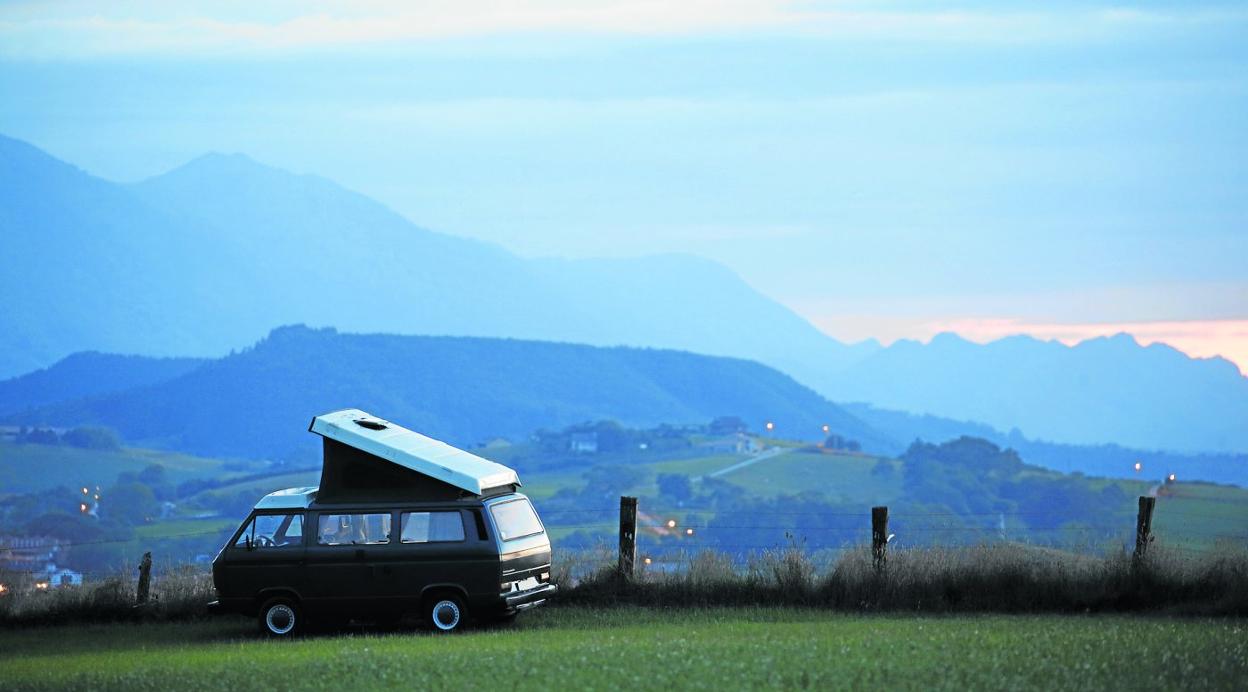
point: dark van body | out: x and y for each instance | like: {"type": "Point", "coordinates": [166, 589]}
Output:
{"type": "Point", "coordinates": [295, 558]}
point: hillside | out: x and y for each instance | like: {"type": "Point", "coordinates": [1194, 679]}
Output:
{"type": "Point", "coordinates": [1108, 460]}
{"type": "Point", "coordinates": [257, 403]}
{"type": "Point", "coordinates": [210, 256]}
{"type": "Point", "coordinates": [88, 374]}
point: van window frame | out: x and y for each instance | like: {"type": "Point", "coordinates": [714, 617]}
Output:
{"type": "Point", "coordinates": [314, 536]}
{"type": "Point", "coordinates": [429, 510]}
{"type": "Point", "coordinates": [250, 522]}
{"type": "Point", "coordinates": [541, 526]}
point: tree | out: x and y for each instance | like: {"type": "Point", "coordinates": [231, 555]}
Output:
{"type": "Point", "coordinates": [129, 503]}
{"type": "Point", "coordinates": [92, 437]}
{"type": "Point", "coordinates": [675, 486]}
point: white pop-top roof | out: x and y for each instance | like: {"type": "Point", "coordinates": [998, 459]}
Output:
{"type": "Point", "coordinates": [412, 450]}
{"type": "Point", "coordinates": [290, 498]}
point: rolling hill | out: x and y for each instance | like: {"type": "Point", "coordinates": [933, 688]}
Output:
{"type": "Point", "coordinates": [88, 374]}
{"type": "Point", "coordinates": [257, 403]}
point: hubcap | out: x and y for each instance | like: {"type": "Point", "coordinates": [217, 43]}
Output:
{"type": "Point", "coordinates": [446, 615]}
{"type": "Point", "coordinates": [280, 619]}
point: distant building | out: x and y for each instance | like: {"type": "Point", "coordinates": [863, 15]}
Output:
{"type": "Point", "coordinates": [28, 554]}
{"type": "Point", "coordinates": [497, 443]}
{"type": "Point", "coordinates": [583, 442]}
{"type": "Point", "coordinates": [57, 577]}
{"type": "Point", "coordinates": [737, 443]}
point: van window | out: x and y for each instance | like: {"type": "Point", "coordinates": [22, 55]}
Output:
{"type": "Point", "coordinates": [272, 531]}
{"type": "Point", "coordinates": [515, 519]}
{"type": "Point", "coordinates": [432, 527]}
{"type": "Point", "coordinates": [353, 529]}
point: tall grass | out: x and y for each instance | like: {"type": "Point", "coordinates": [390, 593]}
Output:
{"type": "Point", "coordinates": [1009, 578]}
{"type": "Point", "coordinates": [986, 578]}
{"type": "Point", "coordinates": [179, 594]}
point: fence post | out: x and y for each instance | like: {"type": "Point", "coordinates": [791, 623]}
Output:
{"type": "Point", "coordinates": [628, 536]}
{"type": "Point", "coordinates": [145, 578]}
{"type": "Point", "coordinates": [1143, 527]}
{"type": "Point", "coordinates": [879, 537]}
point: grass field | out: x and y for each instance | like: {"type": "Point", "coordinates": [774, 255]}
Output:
{"type": "Point", "coordinates": [62, 465]}
{"type": "Point", "coordinates": [630, 648]}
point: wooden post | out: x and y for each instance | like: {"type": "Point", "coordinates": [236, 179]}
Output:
{"type": "Point", "coordinates": [1143, 527]}
{"type": "Point", "coordinates": [145, 578]}
{"type": "Point", "coordinates": [628, 536]}
{"type": "Point", "coordinates": [879, 537]}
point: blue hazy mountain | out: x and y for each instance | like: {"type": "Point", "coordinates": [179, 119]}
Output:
{"type": "Point", "coordinates": [88, 374]}
{"type": "Point", "coordinates": [214, 254]}
{"type": "Point", "coordinates": [257, 403]}
{"type": "Point", "coordinates": [1102, 390]}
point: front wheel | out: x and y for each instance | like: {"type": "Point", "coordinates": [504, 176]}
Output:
{"type": "Point", "coordinates": [281, 617]}
{"type": "Point", "coordinates": [446, 612]}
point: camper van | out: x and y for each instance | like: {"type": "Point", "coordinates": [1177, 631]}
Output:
{"type": "Point", "coordinates": [400, 524]}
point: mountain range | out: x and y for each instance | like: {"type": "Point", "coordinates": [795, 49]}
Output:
{"type": "Point", "coordinates": [208, 257]}
{"type": "Point", "coordinates": [257, 403]}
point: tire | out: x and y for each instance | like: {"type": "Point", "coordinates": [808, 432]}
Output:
{"type": "Point", "coordinates": [281, 618]}
{"type": "Point", "coordinates": [446, 613]}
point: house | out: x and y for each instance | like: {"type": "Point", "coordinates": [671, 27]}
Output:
{"type": "Point", "coordinates": [737, 443]}
{"type": "Point", "coordinates": [57, 577]}
{"type": "Point", "coordinates": [28, 554]}
{"type": "Point", "coordinates": [583, 442]}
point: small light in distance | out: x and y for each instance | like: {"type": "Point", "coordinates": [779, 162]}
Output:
{"type": "Point", "coordinates": [671, 523]}
{"type": "Point", "coordinates": [84, 490]}
{"type": "Point", "coordinates": [826, 429]}
{"type": "Point", "coordinates": [82, 507]}
{"type": "Point", "coordinates": [688, 532]}
{"type": "Point", "coordinates": [647, 561]}
{"type": "Point", "coordinates": [42, 586]}
{"type": "Point", "coordinates": [1171, 478]}
{"type": "Point", "coordinates": [1138, 467]}
{"type": "Point", "coordinates": [3, 588]}
{"type": "Point", "coordinates": [770, 426]}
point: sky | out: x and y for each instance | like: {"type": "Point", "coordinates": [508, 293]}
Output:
{"type": "Point", "coordinates": [887, 170]}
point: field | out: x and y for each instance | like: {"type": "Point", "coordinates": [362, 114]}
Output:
{"type": "Point", "coordinates": [62, 465]}
{"type": "Point", "coordinates": [631, 648]}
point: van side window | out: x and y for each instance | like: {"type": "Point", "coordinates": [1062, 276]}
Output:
{"type": "Point", "coordinates": [432, 527]}
{"type": "Point", "coordinates": [353, 529]}
{"type": "Point", "coordinates": [272, 531]}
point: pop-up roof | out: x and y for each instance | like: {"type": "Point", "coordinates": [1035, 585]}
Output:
{"type": "Point", "coordinates": [358, 447]}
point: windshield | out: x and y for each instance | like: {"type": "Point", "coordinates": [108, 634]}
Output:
{"type": "Point", "coordinates": [516, 519]}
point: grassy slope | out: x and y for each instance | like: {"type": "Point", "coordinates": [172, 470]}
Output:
{"type": "Point", "coordinates": [634, 648]}
{"type": "Point", "coordinates": [31, 468]}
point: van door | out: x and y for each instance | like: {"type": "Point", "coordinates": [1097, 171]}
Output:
{"type": "Point", "coordinates": [268, 555]}
{"type": "Point", "coordinates": [344, 559]}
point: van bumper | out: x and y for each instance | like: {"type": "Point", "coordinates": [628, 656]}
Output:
{"type": "Point", "coordinates": [522, 600]}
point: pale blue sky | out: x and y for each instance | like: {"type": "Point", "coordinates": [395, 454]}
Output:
{"type": "Point", "coordinates": [885, 169]}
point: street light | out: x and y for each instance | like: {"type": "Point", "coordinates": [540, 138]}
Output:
{"type": "Point", "coordinates": [1138, 466]}
{"type": "Point", "coordinates": [671, 523]}
{"type": "Point", "coordinates": [770, 426]}
{"type": "Point", "coordinates": [688, 532]}
{"type": "Point", "coordinates": [826, 429]}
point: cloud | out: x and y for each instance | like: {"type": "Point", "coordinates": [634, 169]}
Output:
{"type": "Point", "coordinates": [66, 30]}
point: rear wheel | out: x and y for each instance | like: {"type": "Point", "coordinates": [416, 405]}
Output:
{"type": "Point", "coordinates": [446, 612]}
{"type": "Point", "coordinates": [281, 617]}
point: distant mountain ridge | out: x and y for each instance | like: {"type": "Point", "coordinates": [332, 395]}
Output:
{"type": "Point", "coordinates": [210, 256]}
{"type": "Point", "coordinates": [1103, 389]}
{"type": "Point", "coordinates": [257, 403]}
{"type": "Point", "coordinates": [214, 254]}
